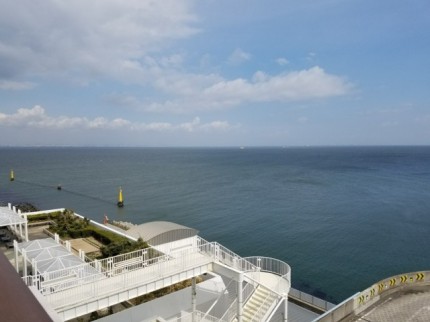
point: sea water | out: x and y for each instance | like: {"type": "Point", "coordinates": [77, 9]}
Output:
{"type": "Point", "coordinates": [341, 217]}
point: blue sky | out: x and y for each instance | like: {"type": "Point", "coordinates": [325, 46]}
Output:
{"type": "Point", "coordinates": [214, 72]}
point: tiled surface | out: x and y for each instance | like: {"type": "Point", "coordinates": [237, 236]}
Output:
{"type": "Point", "coordinates": [410, 307]}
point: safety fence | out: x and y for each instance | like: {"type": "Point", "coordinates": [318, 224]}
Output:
{"type": "Point", "coordinates": [310, 300]}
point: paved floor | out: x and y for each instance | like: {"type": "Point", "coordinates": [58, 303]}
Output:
{"type": "Point", "coordinates": [82, 243]}
{"type": "Point", "coordinates": [404, 307]}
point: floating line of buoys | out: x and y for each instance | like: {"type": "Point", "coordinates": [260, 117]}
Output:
{"type": "Point", "coordinates": [59, 187]}
{"type": "Point", "coordinates": [62, 189]}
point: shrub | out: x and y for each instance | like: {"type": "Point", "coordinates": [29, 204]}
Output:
{"type": "Point", "coordinates": [44, 217]}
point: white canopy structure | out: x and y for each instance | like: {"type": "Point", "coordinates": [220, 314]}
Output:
{"type": "Point", "coordinates": [50, 259]}
{"type": "Point", "coordinates": [15, 220]}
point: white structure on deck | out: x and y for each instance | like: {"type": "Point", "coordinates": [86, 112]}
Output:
{"type": "Point", "coordinates": [15, 220]}
{"type": "Point", "coordinates": [49, 256]}
{"type": "Point", "coordinates": [255, 286]}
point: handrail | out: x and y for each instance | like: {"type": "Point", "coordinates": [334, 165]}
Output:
{"type": "Point", "coordinates": [258, 316]}
{"type": "Point", "coordinates": [221, 295]}
{"type": "Point", "coordinates": [231, 312]}
{"type": "Point", "coordinates": [197, 316]}
{"type": "Point", "coordinates": [310, 300]}
{"type": "Point", "coordinates": [274, 266]}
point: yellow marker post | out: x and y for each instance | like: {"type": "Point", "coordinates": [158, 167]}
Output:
{"type": "Point", "coordinates": [120, 202]}
{"type": "Point", "coordinates": [12, 176]}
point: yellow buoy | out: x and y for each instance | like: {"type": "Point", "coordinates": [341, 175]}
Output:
{"type": "Point", "coordinates": [12, 177]}
{"type": "Point", "coordinates": [120, 202]}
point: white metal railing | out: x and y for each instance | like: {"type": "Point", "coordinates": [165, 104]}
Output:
{"type": "Point", "coordinates": [218, 307]}
{"type": "Point", "coordinates": [71, 286]}
{"type": "Point", "coordinates": [148, 256]}
{"type": "Point", "coordinates": [277, 267]}
{"type": "Point", "coordinates": [225, 255]}
{"type": "Point", "coordinates": [310, 299]}
{"type": "Point", "coordinates": [196, 316]}
{"type": "Point", "coordinates": [121, 272]}
{"type": "Point", "coordinates": [270, 301]}
{"type": "Point", "coordinates": [231, 312]}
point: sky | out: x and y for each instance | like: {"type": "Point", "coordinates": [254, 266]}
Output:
{"type": "Point", "coordinates": [214, 72]}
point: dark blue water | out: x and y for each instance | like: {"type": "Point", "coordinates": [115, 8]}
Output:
{"type": "Point", "coordinates": [343, 218]}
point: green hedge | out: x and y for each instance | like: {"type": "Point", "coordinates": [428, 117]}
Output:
{"type": "Point", "coordinates": [105, 236]}
{"type": "Point", "coordinates": [45, 216]}
{"type": "Point", "coordinates": [68, 225]}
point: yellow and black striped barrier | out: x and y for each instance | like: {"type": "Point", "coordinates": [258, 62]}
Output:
{"type": "Point", "coordinates": [420, 276]}
{"type": "Point", "coordinates": [390, 284]}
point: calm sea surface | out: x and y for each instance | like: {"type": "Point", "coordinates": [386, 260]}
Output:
{"type": "Point", "coordinates": [343, 218]}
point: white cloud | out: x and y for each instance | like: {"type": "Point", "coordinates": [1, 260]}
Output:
{"type": "Point", "coordinates": [303, 119]}
{"type": "Point", "coordinates": [218, 93]}
{"type": "Point", "coordinates": [300, 85]}
{"type": "Point", "coordinates": [238, 56]}
{"type": "Point", "coordinates": [423, 119]}
{"type": "Point", "coordinates": [311, 57]}
{"type": "Point", "coordinates": [37, 117]}
{"type": "Point", "coordinates": [88, 38]}
{"type": "Point", "coordinates": [15, 86]}
{"type": "Point", "coordinates": [282, 61]}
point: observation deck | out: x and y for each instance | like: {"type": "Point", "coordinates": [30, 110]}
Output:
{"type": "Point", "coordinates": [264, 282]}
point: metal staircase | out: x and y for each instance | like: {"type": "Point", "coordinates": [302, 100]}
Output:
{"type": "Point", "coordinates": [259, 304]}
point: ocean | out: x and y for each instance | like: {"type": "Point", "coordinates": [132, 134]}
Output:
{"type": "Point", "coordinates": [341, 217]}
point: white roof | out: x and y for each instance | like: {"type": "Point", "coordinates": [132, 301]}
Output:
{"type": "Point", "coordinates": [37, 244]}
{"type": "Point", "coordinates": [50, 256]}
{"type": "Point", "coordinates": [160, 232]}
{"type": "Point", "coordinates": [55, 264]}
{"type": "Point", "coordinates": [47, 253]}
{"type": "Point", "coordinates": [9, 217]}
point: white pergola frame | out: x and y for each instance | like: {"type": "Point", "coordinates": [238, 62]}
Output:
{"type": "Point", "coordinates": [49, 256]}
{"type": "Point", "coordinates": [51, 247]}
{"type": "Point", "coordinates": [13, 218]}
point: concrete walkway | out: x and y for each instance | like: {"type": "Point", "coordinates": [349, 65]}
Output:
{"type": "Point", "coordinates": [401, 306]}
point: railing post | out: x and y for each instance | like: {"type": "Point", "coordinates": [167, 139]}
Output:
{"type": "Point", "coordinates": [285, 307]}
{"type": "Point", "coordinates": [240, 298]}
{"type": "Point", "coordinates": [15, 247]}
{"type": "Point", "coordinates": [216, 251]}
{"type": "Point", "coordinates": [26, 227]}
{"type": "Point", "coordinates": [109, 266]}
{"type": "Point", "coordinates": [24, 262]}
{"type": "Point", "coordinates": [193, 299]}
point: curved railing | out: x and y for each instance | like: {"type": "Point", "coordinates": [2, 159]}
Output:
{"type": "Point", "coordinates": [274, 266]}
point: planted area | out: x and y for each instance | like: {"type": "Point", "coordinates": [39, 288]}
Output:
{"type": "Point", "coordinates": [69, 226]}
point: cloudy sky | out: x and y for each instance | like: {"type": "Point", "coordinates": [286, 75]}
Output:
{"type": "Point", "coordinates": [214, 72]}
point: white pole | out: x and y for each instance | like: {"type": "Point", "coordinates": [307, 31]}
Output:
{"type": "Point", "coordinates": [285, 308]}
{"type": "Point", "coordinates": [240, 298]}
{"type": "Point", "coordinates": [193, 298]}
{"type": "Point", "coordinates": [15, 247]}
{"type": "Point", "coordinates": [26, 227]}
{"type": "Point", "coordinates": [24, 261]}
